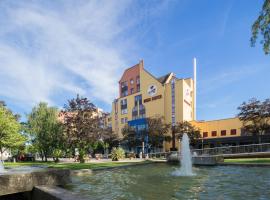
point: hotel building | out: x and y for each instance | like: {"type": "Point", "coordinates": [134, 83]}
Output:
{"type": "Point", "coordinates": [142, 95]}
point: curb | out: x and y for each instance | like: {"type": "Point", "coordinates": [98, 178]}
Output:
{"type": "Point", "coordinates": [90, 171]}
{"type": "Point", "coordinates": [245, 164]}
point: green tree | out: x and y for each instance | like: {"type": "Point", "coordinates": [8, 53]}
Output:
{"type": "Point", "coordinates": [262, 26]}
{"type": "Point", "coordinates": [130, 137]}
{"type": "Point", "coordinates": [109, 139]}
{"type": "Point", "coordinates": [186, 127]}
{"type": "Point", "coordinates": [45, 129]}
{"type": "Point", "coordinates": [10, 137]}
{"type": "Point", "coordinates": [255, 116]}
{"type": "Point", "coordinates": [157, 131]}
{"type": "Point", "coordinates": [82, 124]}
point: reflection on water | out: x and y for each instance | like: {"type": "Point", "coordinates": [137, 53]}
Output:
{"type": "Point", "coordinates": [155, 182]}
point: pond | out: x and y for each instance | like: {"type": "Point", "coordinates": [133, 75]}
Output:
{"type": "Point", "coordinates": [157, 182]}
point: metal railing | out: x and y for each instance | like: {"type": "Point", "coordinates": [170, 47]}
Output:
{"type": "Point", "coordinates": [158, 155]}
{"type": "Point", "coordinates": [240, 149]}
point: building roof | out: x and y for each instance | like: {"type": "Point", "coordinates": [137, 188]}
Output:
{"type": "Point", "coordinates": [164, 78]}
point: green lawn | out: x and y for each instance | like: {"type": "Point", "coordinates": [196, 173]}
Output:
{"type": "Point", "coordinates": [248, 160]}
{"type": "Point", "coordinates": [73, 166]}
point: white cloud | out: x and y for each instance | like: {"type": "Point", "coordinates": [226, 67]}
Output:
{"type": "Point", "coordinates": [72, 47]}
{"type": "Point", "coordinates": [44, 49]}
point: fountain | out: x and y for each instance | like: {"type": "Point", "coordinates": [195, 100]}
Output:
{"type": "Point", "coordinates": [185, 159]}
{"type": "Point", "coordinates": [1, 166]}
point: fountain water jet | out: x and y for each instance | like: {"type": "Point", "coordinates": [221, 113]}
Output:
{"type": "Point", "coordinates": [2, 169]}
{"type": "Point", "coordinates": [185, 159]}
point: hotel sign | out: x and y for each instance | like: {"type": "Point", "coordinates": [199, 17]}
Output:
{"type": "Point", "coordinates": [152, 99]}
{"type": "Point", "coordinates": [152, 90]}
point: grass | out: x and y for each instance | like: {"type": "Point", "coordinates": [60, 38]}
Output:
{"type": "Point", "coordinates": [248, 160]}
{"type": "Point", "coordinates": [72, 166]}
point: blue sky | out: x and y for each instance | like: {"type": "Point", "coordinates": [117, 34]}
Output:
{"type": "Point", "coordinates": [52, 50]}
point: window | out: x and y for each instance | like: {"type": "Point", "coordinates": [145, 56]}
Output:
{"type": "Point", "coordinates": [138, 100]}
{"type": "Point", "coordinates": [141, 111]}
{"type": "Point", "coordinates": [214, 133]}
{"type": "Point", "coordinates": [124, 120]}
{"type": "Point", "coordinates": [223, 133]}
{"type": "Point", "coordinates": [131, 90]}
{"type": "Point", "coordinates": [124, 111]}
{"type": "Point", "coordinates": [233, 131]}
{"type": "Point", "coordinates": [205, 134]}
{"type": "Point", "coordinates": [124, 89]}
{"type": "Point", "coordinates": [123, 84]}
{"type": "Point", "coordinates": [131, 81]}
{"type": "Point", "coordinates": [138, 110]}
{"type": "Point", "coordinates": [138, 88]}
{"type": "Point", "coordinates": [135, 113]}
{"type": "Point", "coordinates": [138, 79]}
{"type": "Point", "coordinates": [123, 103]}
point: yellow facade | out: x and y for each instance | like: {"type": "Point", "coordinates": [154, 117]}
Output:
{"type": "Point", "coordinates": [158, 103]}
{"type": "Point", "coordinates": [230, 127]}
{"type": "Point", "coordinates": [173, 99]}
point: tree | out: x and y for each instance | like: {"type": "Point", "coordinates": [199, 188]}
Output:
{"type": "Point", "coordinates": [109, 138]}
{"type": "Point", "coordinates": [130, 136]}
{"type": "Point", "coordinates": [157, 131]}
{"type": "Point", "coordinates": [45, 129]}
{"type": "Point", "coordinates": [10, 137]}
{"type": "Point", "coordinates": [82, 124]}
{"type": "Point", "coordinates": [255, 116]}
{"type": "Point", "coordinates": [262, 26]}
{"type": "Point", "coordinates": [186, 127]}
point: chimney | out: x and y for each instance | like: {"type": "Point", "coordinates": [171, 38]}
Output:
{"type": "Point", "coordinates": [141, 64]}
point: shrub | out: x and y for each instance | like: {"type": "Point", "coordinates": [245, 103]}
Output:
{"type": "Point", "coordinates": [57, 153]}
{"type": "Point", "coordinates": [81, 156]}
{"type": "Point", "coordinates": [117, 154]}
{"type": "Point", "coordinates": [131, 155]}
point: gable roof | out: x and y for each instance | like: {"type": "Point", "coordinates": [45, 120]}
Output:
{"type": "Point", "coordinates": [164, 78]}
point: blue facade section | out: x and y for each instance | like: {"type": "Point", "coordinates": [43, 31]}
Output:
{"type": "Point", "coordinates": [137, 122]}
{"type": "Point", "coordinates": [140, 126]}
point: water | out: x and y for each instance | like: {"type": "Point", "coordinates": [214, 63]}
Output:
{"type": "Point", "coordinates": [185, 159]}
{"type": "Point", "coordinates": [156, 182]}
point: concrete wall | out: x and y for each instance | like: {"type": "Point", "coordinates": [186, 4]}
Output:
{"type": "Point", "coordinates": [15, 182]}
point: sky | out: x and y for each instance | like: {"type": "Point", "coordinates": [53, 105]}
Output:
{"type": "Point", "coordinates": [52, 50]}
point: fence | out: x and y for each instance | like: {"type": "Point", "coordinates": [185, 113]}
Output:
{"type": "Point", "coordinates": [241, 149]}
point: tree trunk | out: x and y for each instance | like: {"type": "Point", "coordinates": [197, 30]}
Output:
{"type": "Point", "coordinates": [45, 155]}
{"type": "Point", "coordinates": [1, 153]}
